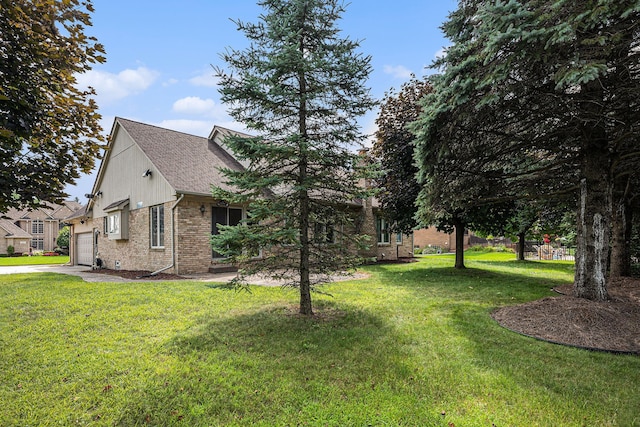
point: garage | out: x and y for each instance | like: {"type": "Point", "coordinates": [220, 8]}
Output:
{"type": "Point", "coordinates": [84, 248]}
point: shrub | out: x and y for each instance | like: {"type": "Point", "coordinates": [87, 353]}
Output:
{"type": "Point", "coordinates": [63, 237]}
{"type": "Point", "coordinates": [497, 248]}
{"type": "Point", "coordinates": [10, 250]}
{"type": "Point", "coordinates": [429, 250]}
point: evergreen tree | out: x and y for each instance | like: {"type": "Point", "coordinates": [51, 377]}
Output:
{"type": "Point", "coordinates": [300, 88]}
{"type": "Point", "coordinates": [539, 98]}
{"type": "Point", "coordinates": [49, 129]}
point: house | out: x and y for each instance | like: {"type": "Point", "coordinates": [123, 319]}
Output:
{"type": "Point", "coordinates": [42, 224]}
{"type": "Point", "coordinates": [12, 235]}
{"type": "Point", "coordinates": [446, 242]}
{"type": "Point", "coordinates": [151, 206]}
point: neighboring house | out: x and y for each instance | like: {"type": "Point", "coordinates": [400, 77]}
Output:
{"type": "Point", "coordinates": [43, 224]}
{"type": "Point", "coordinates": [151, 206]}
{"type": "Point", "coordinates": [12, 235]}
{"type": "Point", "coordinates": [431, 237]}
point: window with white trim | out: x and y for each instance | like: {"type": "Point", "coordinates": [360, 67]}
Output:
{"type": "Point", "coordinates": [37, 244]}
{"type": "Point", "coordinates": [399, 238]}
{"type": "Point", "coordinates": [114, 223]}
{"type": "Point", "coordinates": [157, 226]}
{"type": "Point", "coordinates": [382, 229]}
{"type": "Point", "coordinates": [37, 226]}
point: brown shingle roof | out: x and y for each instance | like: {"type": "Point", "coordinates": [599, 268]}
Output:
{"type": "Point", "coordinates": [13, 230]}
{"type": "Point", "coordinates": [52, 210]}
{"type": "Point", "coordinates": [189, 163]}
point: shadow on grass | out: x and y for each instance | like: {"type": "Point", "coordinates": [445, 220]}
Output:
{"type": "Point", "coordinates": [584, 387]}
{"type": "Point", "coordinates": [560, 266]}
{"type": "Point", "coordinates": [272, 361]}
{"type": "Point", "coordinates": [470, 284]}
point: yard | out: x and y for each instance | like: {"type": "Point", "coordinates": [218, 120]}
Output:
{"type": "Point", "coordinates": [413, 345]}
{"type": "Point", "coordinates": [34, 260]}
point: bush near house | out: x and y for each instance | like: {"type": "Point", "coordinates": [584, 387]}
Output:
{"type": "Point", "coordinates": [488, 249]}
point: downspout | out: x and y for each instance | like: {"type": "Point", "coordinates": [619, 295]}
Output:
{"type": "Point", "coordinates": [173, 238]}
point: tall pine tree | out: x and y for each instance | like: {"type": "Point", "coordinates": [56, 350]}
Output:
{"type": "Point", "coordinates": [300, 88]}
{"type": "Point", "coordinates": [540, 99]}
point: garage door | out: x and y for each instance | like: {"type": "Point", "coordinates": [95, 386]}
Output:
{"type": "Point", "coordinates": [85, 248]}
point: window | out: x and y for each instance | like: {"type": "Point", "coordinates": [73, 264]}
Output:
{"type": "Point", "coordinates": [224, 216]}
{"type": "Point", "coordinates": [114, 223]}
{"type": "Point", "coordinates": [117, 221]}
{"type": "Point", "coordinates": [37, 226]}
{"type": "Point", "coordinates": [382, 228]}
{"type": "Point", "coordinates": [399, 238]}
{"type": "Point", "coordinates": [323, 233]}
{"type": "Point", "coordinates": [37, 244]}
{"type": "Point", "coordinates": [157, 226]}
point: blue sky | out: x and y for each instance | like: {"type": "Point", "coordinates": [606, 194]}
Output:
{"type": "Point", "coordinates": [160, 55]}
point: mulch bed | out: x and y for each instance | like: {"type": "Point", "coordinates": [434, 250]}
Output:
{"type": "Point", "coordinates": [137, 274]}
{"type": "Point", "coordinates": [612, 326]}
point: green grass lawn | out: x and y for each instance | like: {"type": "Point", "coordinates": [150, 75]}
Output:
{"type": "Point", "coordinates": [413, 345]}
{"type": "Point", "coordinates": [33, 260]}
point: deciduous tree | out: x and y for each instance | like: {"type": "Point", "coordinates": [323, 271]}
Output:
{"type": "Point", "coordinates": [393, 149]}
{"type": "Point", "coordinates": [49, 130]}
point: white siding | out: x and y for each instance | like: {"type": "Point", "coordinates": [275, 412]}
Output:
{"type": "Point", "coordinates": [126, 181]}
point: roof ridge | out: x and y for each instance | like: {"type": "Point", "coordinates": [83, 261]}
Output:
{"type": "Point", "coordinates": [160, 127]}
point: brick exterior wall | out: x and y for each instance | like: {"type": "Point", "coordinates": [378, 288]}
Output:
{"type": "Point", "coordinates": [193, 230]}
{"type": "Point", "coordinates": [20, 245]}
{"type": "Point", "coordinates": [136, 253]}
{"type": "Point", "coordinates": [430, 236]}
{"type": "Point", "coordinates": [382, 251]}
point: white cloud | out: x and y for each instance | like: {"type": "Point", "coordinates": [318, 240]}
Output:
{"type": "Point", "coordinates": [398, 71]}
{"type": "Point", "coordinates": [111, 87]}
{"type": "Point", "coordinates": [206, 79]}
{"type": "Point", "coordinates": [194, 105]}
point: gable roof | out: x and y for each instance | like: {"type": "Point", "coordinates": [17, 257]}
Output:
{"type": "Point", "coordinates": [189, 163]}
{"type": "Point", "coordinates": [50, 210]}
{"type": "Point", "coordinates": [13, 231]}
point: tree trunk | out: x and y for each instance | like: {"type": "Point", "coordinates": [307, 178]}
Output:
{"type": "Point", "coordinates": [459, 226]}
{"type": "Point", "coordinates": [593, 225]}
{"type": "Point", "coordinates": [620, 265]}
{"type": "Point", "coordinates": [305, 211]}
{"type": "Point", "coordinates": [521, 243]}
{"type": "Point", "coordinates": [305, 283]}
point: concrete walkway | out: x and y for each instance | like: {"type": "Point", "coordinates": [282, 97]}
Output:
{"type": "Point", "coordinates": [88, 276]}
